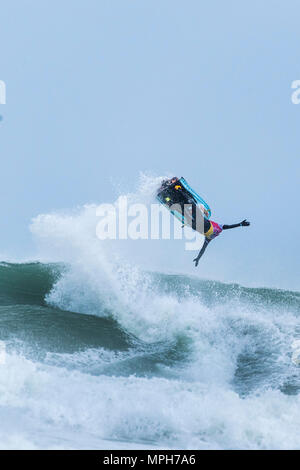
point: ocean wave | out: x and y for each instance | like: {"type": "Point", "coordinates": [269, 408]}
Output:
{"type": "Point", "coordinates": [99, 352]}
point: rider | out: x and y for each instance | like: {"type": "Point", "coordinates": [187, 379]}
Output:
{"type": "Point", "coordinates": [173, 193]}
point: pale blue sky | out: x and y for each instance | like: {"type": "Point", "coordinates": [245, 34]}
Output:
{"type": "Point", "coordinates": [105, 89]}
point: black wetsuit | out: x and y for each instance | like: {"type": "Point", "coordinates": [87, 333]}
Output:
{"type": "Point", "coordinates": [171, 194]}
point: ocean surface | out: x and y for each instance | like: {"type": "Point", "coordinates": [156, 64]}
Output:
{"type": "Point", "coordinates": [98, 352]}
{"type": "Point", "coordinates": [144, 360]}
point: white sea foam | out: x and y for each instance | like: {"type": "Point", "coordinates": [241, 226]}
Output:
{"type": "Point", "coordinates": [52, 407]}
{"type": "Point", "coordinates": [226, 395]}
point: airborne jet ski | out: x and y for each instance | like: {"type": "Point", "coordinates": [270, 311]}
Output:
{"type": "Point", "coordinates": [183, 202]}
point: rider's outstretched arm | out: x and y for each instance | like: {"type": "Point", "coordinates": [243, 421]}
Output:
{"type": "Point", "coordinates": [204, 246]}
{"type": "Point", "coordinates": [244, 223]}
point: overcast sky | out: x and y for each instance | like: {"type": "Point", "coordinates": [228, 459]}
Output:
{"type": "Point", "coordinates": [101, 90]}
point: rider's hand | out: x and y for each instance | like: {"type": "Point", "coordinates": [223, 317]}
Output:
{"type": "Point", "coordinates": [196, 261]}
{"type": "Point", "coordinates": [245, 223]}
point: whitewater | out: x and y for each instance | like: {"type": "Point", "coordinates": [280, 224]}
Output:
{"type": "Point", "coordinates": [101, 353]}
